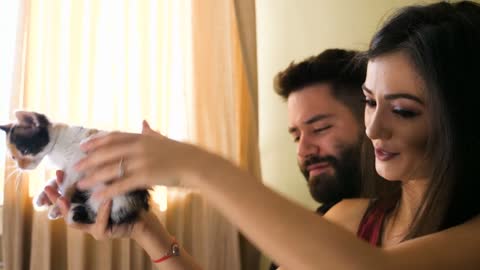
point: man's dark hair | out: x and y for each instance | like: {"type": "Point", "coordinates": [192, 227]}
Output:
{"type": "Point", "coordinates": [342, 69]}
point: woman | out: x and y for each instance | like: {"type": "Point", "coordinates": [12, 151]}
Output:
{"type": "Point", "coordinates": [420, 93]}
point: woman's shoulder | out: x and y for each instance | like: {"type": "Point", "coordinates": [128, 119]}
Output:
{"type": "Point", "coordinates": [348, 213]}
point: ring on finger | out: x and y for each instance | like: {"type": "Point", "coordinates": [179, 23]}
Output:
{"type": "Point", "coordinates": [121, 168]}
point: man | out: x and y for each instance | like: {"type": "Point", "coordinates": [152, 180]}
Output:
{"type": "Point", "coordinates": [325, 118]}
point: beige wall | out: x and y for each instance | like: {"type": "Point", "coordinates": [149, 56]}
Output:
{"type": "Point", "coordinates": [292, 30]}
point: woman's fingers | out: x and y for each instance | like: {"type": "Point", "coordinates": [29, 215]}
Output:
{"type": "Point", "coordinates": [64, 206]}
{"type": "Point", "coordinates": [110, 138]}
{"type": "Point", "coordinates": [105, 155]}
{"type": "Point", "coordinates": [52, 193]}
{"type": "Point", "coordinates": [117, 188]}
{"type": "Point", "coordinates": [147, 130]}
{"type": "Point", "coordinates": [111, 172]}
{"type": "Point", "coordinates": [101, 222]}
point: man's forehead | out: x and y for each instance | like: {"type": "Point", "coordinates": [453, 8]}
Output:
{"type": "Point", "coordinates": [311, 102]}
{"type": "Point", "coordinates": [315, 92]}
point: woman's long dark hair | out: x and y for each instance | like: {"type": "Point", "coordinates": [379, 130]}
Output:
{"type": "Point", "coordinates": [443, 42]}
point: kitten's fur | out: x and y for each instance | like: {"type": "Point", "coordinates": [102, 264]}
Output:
{"type": "Point", "coordinates": [33, 137]}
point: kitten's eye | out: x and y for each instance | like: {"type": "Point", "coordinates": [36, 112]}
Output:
{"type": "Point", "coordinates": [24, 151]}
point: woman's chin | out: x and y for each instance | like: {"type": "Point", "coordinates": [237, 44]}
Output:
{"type": "Point", "coordinates": [387, 174]}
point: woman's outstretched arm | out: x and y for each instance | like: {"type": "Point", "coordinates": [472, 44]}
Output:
{"type": "Point", "coordinates": [291, 235]}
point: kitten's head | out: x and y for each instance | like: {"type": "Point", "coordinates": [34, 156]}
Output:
{"type": "Point", "coordinates": [28, 138]}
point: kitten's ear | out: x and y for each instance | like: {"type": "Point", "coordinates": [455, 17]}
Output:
{"type": "Point", "coordinates": [31, 119]}
{"type": "Point", "coordinates": [6, 128]}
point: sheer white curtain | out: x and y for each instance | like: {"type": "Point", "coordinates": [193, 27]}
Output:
{"type": "Point", "coordinates": [8, 21]}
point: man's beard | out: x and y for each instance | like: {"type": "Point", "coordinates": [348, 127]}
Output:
{"type": "Point", "coordinates": [343, 183]}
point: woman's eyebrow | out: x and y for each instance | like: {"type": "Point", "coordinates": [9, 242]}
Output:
{"type": "Point", "coordinates": [396, 96]}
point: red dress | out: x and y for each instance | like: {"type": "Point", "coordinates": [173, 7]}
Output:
{"type": "Point", "coordinates": [371, 226]}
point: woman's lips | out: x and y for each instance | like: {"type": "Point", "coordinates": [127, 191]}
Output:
{"type": "Point", "coordinates": [318, 168]}
{"type": "Point", "coordinates": [384, 155]}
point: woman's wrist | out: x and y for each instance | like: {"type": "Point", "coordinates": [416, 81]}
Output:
{"type": "Point", "coordinates": [138, 228]}
{"type": "Point", "coordinates": [151, 235]}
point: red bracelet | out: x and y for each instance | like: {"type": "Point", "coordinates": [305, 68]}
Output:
{"type": "Point", "coordinates": [174, 251]}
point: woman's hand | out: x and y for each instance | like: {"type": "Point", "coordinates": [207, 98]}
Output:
{"type": "Point", "coordinates": [148, 231]}
{"type": "Point", "coordinates": [129, 161]}
{"type": "Point", "coordinates": [100, 229]}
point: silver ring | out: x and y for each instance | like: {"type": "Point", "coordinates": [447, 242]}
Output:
{"type": "Point", "coordinates": [121, 169]}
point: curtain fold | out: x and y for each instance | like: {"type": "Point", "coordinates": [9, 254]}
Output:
{"type": "Point", "coordinates": [186, 66]}
{"type": "Point", "coordinates": [225, 88]}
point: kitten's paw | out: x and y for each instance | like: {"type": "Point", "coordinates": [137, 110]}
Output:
{"type": "Point", "coordinates": [40, 200]}
{"type": "Point", "coordinates": [79, 213]}
{"type": "Point", "coordinates": [54, 212]}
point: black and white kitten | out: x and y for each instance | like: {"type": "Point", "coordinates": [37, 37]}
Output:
{"type": "Point", "coordinates": [34, 137]}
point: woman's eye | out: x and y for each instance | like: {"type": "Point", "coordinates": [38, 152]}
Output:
{"type": "Point", "coordinates": [405, 113]}
{"type": "Point", "coordinates": [369, 102]}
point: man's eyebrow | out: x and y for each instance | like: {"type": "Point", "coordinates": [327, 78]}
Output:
{"type": "Point", "coordinates": [395, 96]}
{"type": "Point", "coordinates": [292, 129]}
{"type": "Point", "coordinates": [311, 120]}
{"type": "Point", "coordinates": [317, 118]}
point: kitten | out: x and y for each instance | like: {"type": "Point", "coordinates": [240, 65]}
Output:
{"type": "Point", "coordinates": [34, 137]}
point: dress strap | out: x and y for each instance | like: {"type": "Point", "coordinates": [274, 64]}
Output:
{"type": "Point", "coordinates": [371, 226]}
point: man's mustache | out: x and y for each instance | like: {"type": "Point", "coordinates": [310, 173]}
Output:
{"type": "Point", "coordinates": [318, 159]}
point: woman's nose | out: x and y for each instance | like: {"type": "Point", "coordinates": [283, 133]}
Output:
{"type": "Point", "coordinates": [376, 125]}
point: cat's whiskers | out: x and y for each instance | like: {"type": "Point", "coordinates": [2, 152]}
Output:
{"type": "Point", "coordinates": [18, 181]}
{"type": "Point", "coordinates": [15, 170]}
{"type": "Point", "coordinates": [11, 166]}
{"type": "Point", "coordinates": [18, 173]}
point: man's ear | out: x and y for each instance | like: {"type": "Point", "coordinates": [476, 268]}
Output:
{"type": "Point", "coordinates": [31, 119]}
{"type": "Point", "coordinates": [6, 128]}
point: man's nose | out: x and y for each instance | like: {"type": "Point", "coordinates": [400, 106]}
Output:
{"type": "Point", "coordinates": [306, 147]}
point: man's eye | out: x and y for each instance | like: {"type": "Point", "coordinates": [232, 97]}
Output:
{"type": "Point", "coordinates": [369, 102]}
{"type": "Point", "coordinates": [296, 139]}
{"type": "Point", "coordinates": [318, 130]}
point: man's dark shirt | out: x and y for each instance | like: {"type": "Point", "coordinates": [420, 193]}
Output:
{"type": "Point", "coordinates": [321, 211]}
